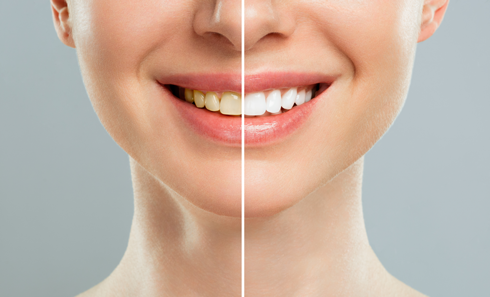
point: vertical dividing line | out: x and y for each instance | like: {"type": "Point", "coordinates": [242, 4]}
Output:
{"type": "Point", "coordinates": [243, 148]}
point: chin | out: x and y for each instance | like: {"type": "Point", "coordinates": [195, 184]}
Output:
{"type": "Point", "coordinates": [214, 191]}
{"type": "Point", "coordinates": [263, 205]}
{"type": "Point", "coordinates": [271, 196]}
{"type": "Point", "coordinates": [222, 201]}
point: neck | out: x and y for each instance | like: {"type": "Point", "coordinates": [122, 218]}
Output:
{"type": "Point", "coordinates": [176, 248]}
{"type": "Point", "coordinates": [318, 247]}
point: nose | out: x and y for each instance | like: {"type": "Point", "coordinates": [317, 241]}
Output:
{"type": "Point", "coordinates": [220, 21]}
{"type": "Point", "coordinates": [264, 19]}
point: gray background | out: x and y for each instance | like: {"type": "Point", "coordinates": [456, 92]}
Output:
{"type": "Point", "coordinates": [65, 188]}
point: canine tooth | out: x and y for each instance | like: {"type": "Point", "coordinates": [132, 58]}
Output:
{"type": "Point", "coordinates": [308, 95]}
{"type": "Point", "coordinates": [273, 102]}
{"type": "Point", "coordinates": [255, 104]}
{"type": "Point", "coordinates": [288, 98]}
{"type": "Point", "coordinates": [300, 97]}
{"type": "Point", "coordinates": [211, 101]}
{"type": "Point", "coordinates": [189, 95]}
{"type": "Point", "coordinates": [199, 98]}
{"type": "Point", "coordinates": [231, 103]}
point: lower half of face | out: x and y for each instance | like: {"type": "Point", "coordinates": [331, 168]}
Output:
{"type": "Point", "coordinates": [324, 81]}
{"type": "Point", "coordinates": [134, 56]}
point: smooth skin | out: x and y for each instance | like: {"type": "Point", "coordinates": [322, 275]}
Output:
{"type": "Point", "coordinates": [305, 233]}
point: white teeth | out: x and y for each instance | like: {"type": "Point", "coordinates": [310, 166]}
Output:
{"type": "Point", "coordinates": [300, 97]}
{"type": "Point", "coordinates": [273, 103]}
{"type": "Point", "coordinates": [255, 104]}
{"type": "Point", "coordinates": [289, 98]}
{"type": "Point", "coordinates": [308, 95]}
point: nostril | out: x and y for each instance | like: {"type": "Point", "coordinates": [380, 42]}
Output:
{"type": "Point", "coordinates": [274, 35]}
{"type": "Point", "coordinates": [217, 38]}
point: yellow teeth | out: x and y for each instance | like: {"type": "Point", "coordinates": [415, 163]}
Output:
{"type": "Point", "coordinates": [189, 95]}
{"type": "Point", "coordinates": [211, 101]}
{"type": "Point", "coordinates": [198, 98]}
{"type": "Point", "coordinates": [231, 104]}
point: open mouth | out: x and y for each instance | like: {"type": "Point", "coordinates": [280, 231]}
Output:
{"type": "Point", "coordinates": [264, 103]}
{"type": "Point", "coordinates": [276, 104]}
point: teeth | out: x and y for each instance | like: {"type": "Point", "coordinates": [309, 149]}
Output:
{"type": "Point", "coordinates": [273, 103]}
{"type": "Point", "coordinates": [289, 98]}
{"type": "Point", "coordinates": [199, 99]}
{"type": "Point", "coordinates": [256, 104]}
{"type": "Point", "coordinates": [300, 97]}
{"type": "Point", "coordinates": [189, 95]}
{"type": "Point", "coordinates": [211, 101]}
{"type": "Point", "coordinates": [308, 95]}
{"type": "Point", "coordinates": [231, 104]}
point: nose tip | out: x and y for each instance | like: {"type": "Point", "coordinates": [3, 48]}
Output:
{"type": "Point", "coordinates": [263, 18]}
{"type": "Point", "coordinates": [220, 21]}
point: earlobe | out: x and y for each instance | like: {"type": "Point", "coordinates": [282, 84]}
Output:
{"type": "Point", "coordinates": [432, 15]}
{"type": "Point", "coordinates": [62, 24]}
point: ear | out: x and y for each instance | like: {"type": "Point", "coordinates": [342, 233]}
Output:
{"type": "Point", "coordinates": [62, 22]}
{"type": "Point", "coordinates": [432, 15]}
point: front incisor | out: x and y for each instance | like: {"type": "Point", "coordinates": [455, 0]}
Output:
{"type": "Point", "coordinates": [211, 101]}
{"type": "Point", "coordinates": [231, 104]}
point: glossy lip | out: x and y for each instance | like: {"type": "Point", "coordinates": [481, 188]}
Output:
{"type": "Point", "coordinates": [217, 82]}
{"type": "Point", "coordinates": [259, 131]}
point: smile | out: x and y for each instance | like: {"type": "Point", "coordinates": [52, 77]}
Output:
{"type": "Point", "coordinates": [276, 105]}
{"type": "Point", "coordinates": [264, 103]}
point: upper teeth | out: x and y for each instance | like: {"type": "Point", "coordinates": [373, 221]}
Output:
{"type": "Point", "coordinates": [256, 104]}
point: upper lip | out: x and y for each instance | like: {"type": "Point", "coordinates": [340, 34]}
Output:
{"type": "Point", "coordinates": [217, 82]}
{"type": "Point", "coordinates": [279, 80]}
{"type": "Point", "coordinates": [221, 82]}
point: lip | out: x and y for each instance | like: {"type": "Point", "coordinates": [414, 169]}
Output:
{"type": "Point", "coordinates": [279, 80]}
{"type": "Point", "coordinates": [217, 82]}
{"type": "Point", "coordinates": [259, 131]}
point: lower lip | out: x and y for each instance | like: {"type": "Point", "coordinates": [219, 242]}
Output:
{"type": "Point", "coordinates": [226, 130]}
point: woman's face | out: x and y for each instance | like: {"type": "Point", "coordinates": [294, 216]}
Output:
{"type": "Point", "coordinates": [131, 52]}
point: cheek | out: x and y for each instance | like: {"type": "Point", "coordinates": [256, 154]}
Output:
{"type": "Point", "coordinates": [378, 37]}
{"type": "Point", "coordinates": [377, 41]}
{"type": "Point", "coordinates": [118, 33]}
{"type": "Point", "coordinates": [113, 39]}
